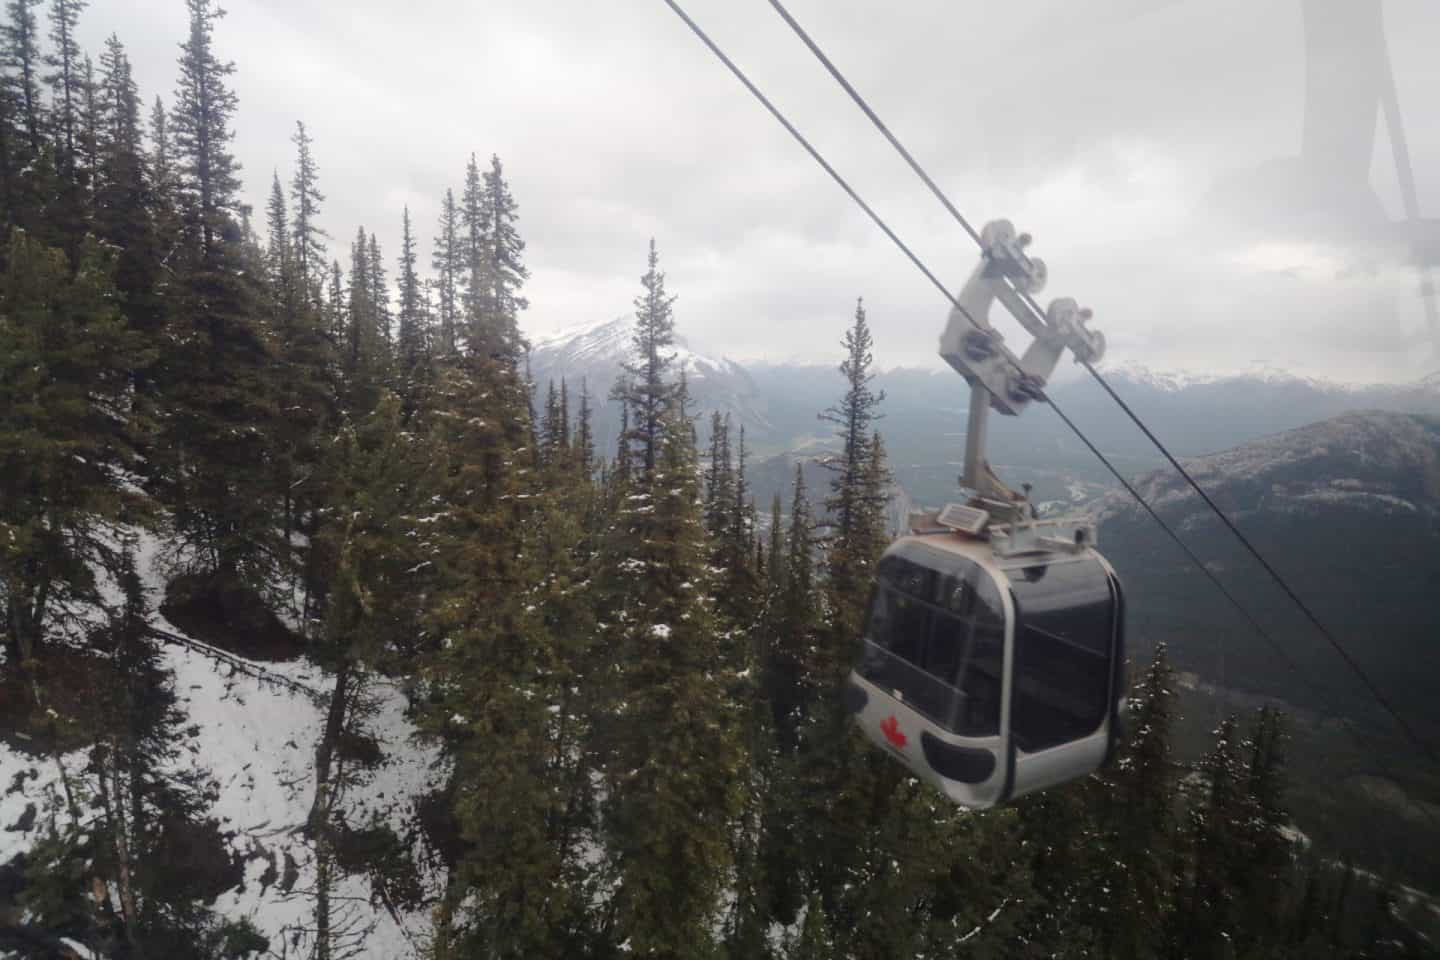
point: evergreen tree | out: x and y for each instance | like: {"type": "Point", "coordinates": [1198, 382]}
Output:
{"type": "Point", "coordinates": [855, 504]}
{"type": "Point", "coordinates": [337, 322]}
{"type": "Point", "coordinates": [738, 538]}
{"type": "Point", "coordinates": [410, 346]}
{"type": "Point", "coordinates": [645, 391]}
{"type": "Point", "coordinates": [64, 435]}
{"type": "Point", "coordinates": [218, 367]}
{"type": "Point", "coordinates": [495, 674]}
{"type": "Point", "coordinates": [448, 262]}
{"type": "Point", "coordinates": [1205, 919]}
{"type": "Point", "coordinates": [719, 479]}
{"type": "Point", "coordinates": [66, 215]}
{"type": "Point", "coordinates": [552, 428]}
{"type": "Point", "coordinates": [11, 139]}
{"type": "Point", "coordinates": [584, 455]}
{"type": "Point", "coordinates": [1141, 818]}
{"type": "Point", "coordinates": [309, 239]}
{"type": "Point", "coordinates": [375, 559]}
{"type": "Point", "coordinates": [775, 555]}
{"type": "Point", "coordinates": [204, 106]}
{"type": "Point", "coordinates": [505, 269]}
{"type": "Point", "coordinates": [22, 55]}
{"type": "Point", "coordinates": [668, 746]}
{"type": "Point", "coordinates": [1265, 873]}
{"type": "Point", "coordinates": [162, 157]}
{"type": "Point", "coordinates": [118, 103]}
{"type": "Point", "coordinates": [379, 298]}
{"type": "Point", "coordinates": [65, 59]}
{"type": "Point", "coordinates": [126, 205]}
{"type": "Point", "coordinates": [88, 143]}
{"type": "Point", "coordinates": [277, 245]}
{"type": "Point", "coordinates": [475, 245]}
{"type": "Point", "coordinates": [366, 357]}
{"type": "Point", "coordinates": [796, 620]}
{"type": "Point", "coordinates": [563, 441]}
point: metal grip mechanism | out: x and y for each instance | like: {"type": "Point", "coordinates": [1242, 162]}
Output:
{"type": "Point", "coordinates": [977, 351]}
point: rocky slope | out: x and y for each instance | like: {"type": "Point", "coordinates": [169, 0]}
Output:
{"type": "Point", "coordinates": [1347, 509]}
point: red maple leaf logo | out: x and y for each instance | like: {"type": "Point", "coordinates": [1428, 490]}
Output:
{"type": "Point", "coordinates": [891, 728]}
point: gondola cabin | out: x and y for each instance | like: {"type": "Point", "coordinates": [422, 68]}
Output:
{"type": "Point", "coordinates": [993, 666]}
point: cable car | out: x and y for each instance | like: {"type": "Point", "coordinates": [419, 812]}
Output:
{"type": "Point", "coordinates": [992, 661]}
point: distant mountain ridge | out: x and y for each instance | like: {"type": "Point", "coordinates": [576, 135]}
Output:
{"type": "Point", "coordinates": [594, 355]}
{"type": "Point", "coordinates": [924, 413]}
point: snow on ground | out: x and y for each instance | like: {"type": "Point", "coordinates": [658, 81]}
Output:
{"type": "Point", "coordinates": [256, 740]}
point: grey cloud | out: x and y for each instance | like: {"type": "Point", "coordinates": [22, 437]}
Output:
{"type": "Point", "coordinates": [1116, 131]}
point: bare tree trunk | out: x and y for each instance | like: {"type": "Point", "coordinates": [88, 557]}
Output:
{"type": "Point", "coordinates": [320, 821]}
{"type": "Point", "coordinates": [113, 798]}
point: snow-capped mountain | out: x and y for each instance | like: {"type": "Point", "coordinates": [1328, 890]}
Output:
{"type": "Point", "coordinates": [594, 354]}
{"type": "Point", "coordinates": [924, 413]}
{"type": "Point", "coordinates": [1175, 381]}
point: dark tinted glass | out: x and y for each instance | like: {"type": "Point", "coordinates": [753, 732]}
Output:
{"type": "Point", "coordinates": [936, 638]}
{"type": "Point", "coordinates": [1064, 634]}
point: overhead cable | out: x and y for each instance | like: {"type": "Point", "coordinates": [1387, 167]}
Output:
{"type": "Point", "coordinates": [1370, 685]}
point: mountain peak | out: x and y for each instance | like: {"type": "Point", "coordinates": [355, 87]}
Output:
{"type": "Point", "coordinates": [1174, 381]}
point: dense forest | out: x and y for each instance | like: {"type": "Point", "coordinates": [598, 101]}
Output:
{"type": "Point", "coordinates": [629, 673]}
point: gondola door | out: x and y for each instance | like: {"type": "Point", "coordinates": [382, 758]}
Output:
{"type": "Point", "coordinates": [1067, 668]}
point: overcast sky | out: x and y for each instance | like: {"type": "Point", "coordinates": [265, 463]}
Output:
{"type": "Point", "coordinates": [1131, 137]}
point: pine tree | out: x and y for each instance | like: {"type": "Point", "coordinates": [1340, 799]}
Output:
{"type": "Point", "coordinates": [88, 143]}
{"type": "Point", "coordinates": [1205, 917]}
{"type": "Point", "coordinates": [277, 245]}
{"type": "Point", "coordinates": [584, 455]}
{"type": "Point", "coordinates": [668, 746]}
{"type": "Point", "coordinates": [66, 80]}
{"type": "Point", "coordinates": [367, 357]}
{"type": "Point", "coordinates": [375, 558]}
{"type": "Point", "coordinates": [854, 505]}
{"type": "Point", "coordinates": [1141, 818]}
{"type": "Point", "coordinates": [448, 262]}
{"type": "Point", "coordinates": [306, 385]}
{"type": "Point", "coordinates": [551, 431]}
{"type": "Point", "coordinates": [335, 306]}
{"type": "Point", "coordinates": [1264, 877]}
{"type": "Point", "coordinates": [645, 391]}
{"type": "Point", "coordinates": [204, 106]}
{"type": "Point", "coordinates": [797, 621]}
{"type": "Point", "coordinates": [380, 297]}
{"type": "Point", "coordinates": [127, 208]}
{"type": "Point", "coordinates": [162, 157]}
{"type": "Point", "coordinates": [22, 55]}
{"type": "Point", "coordinates": [306, 197]}
{"type": "Point", "coordinates": [218, 366]}
{"type": "Point", "coordinates": [118, 102]}
{"type": "Point", "coordinates": [11, 140]}
{"type": "Point", "coordinates": [66, 215]}
{"type": "Point", "coordinates": [410, 346]}
{"type": "Point", "coordinates": [563, 441]}
{"type": "Point", "coordinates": [719, 479]}
{"type": "Point", "coordinates": [64, 431]}
{"type": "Point", "coordinates": [475, 243]}
{"type": "Point", "coordinates": [495, 673]}
{"type": "Point", "coordinates": [775, 555]}
{"type": "Point", "coordinates": [740, 575]}
{"type": "Point", "coordinates": [505, 270]}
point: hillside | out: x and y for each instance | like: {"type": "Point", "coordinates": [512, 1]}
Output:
{"type": "Point", "coordinates": [1348, 510]}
